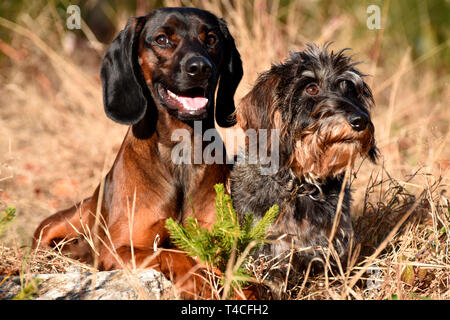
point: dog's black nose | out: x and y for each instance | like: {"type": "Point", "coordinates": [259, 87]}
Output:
{"type": "Point", "coordinates": [198, 67]}
{"type": "Point", "coordinates": [358, 121]}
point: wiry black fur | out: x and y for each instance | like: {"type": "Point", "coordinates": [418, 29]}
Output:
{"type": "Point", "coordinates": [307, 203]}
{"type": "Point", "coordinates": [254, 192]}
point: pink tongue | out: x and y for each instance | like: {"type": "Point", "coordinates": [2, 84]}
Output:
{"type": "Point", "coordinates": [196, 103]}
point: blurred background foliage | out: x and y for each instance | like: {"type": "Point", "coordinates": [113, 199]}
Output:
{"type": "Point", "coordinates": [422, 25]}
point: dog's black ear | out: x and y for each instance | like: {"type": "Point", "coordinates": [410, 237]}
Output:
{"type": "Point", "coordinates": [369, 102]}
{"type": "Point", "coordinates": [374, 152]}
{"type": "Point", "coordinates": [230, 76]}
{"type": "Point", "coordinates": [122, 80]}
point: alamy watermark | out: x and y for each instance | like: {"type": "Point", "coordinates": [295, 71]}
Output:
{"type": "Point", "coordinates": [73, 20]}
{"type": "Point", "coordinates": [207, 147]}
{"type": "Point", "coordinates": [374, 19]}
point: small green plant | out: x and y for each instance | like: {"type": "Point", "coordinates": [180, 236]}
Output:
{"type": "Point", "coordinates": [29, 290]}
{"type": "Point", "coordinates": [6, 217]}
{"type": "Point", "coordinates": [227, 239]}
{"type": "Point", "coordinates": [29, 287]}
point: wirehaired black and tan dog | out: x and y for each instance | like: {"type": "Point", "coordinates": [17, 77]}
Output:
{"type": "Point", "coordinates": [160, 74]}
{"type": "Point", "coordinates": [321, 105]}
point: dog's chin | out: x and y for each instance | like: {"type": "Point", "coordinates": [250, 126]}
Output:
{"type": "Point", "coordinates": [321, 164]}
{"type": "Point", "coordinates": [192, 104]}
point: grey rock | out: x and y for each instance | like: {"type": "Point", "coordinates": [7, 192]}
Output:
{"type": "Point", "coordinates": [106, 285]}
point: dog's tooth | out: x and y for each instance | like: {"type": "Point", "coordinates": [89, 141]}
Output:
{"type": "Point", "coordinates": [173, 95]}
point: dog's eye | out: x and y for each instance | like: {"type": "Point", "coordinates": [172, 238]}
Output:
{"type": "Point", "coordinates": [211, 39]}
{"type": "Point", "coordinates": [162, 40]}
{"type": "Point", "coordinates": [312, 89]}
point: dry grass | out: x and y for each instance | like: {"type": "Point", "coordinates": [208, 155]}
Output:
{"type": "Point", "coordinates": [55, 139]}
{"type": "Point", "coordinates": [401, 250]}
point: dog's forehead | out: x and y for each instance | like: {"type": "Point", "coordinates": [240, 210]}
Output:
{"type": "Point", "coordinates": [329, 72]}
{"type": "Point", "coordinates": [180, 20]}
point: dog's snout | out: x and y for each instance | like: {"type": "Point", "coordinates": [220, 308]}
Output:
{"type": "Point", "coordinates": [198, 67]}
{"type": "Point", "coordinates": [358, 121]}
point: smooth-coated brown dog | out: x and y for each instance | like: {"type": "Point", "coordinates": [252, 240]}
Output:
{"type": "Point", "coordinates": [158, 75]}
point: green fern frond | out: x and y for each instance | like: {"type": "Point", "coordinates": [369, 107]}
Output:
{"type": "Point", "coordinates": [259, 231]}
{"type": "Point", "coordinates": [216, 247]}
{"type": "Point", "coordinates": [184, 238]}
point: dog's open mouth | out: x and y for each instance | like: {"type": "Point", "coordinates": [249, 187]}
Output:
{"type": "Point", "coordinates": [192, 102]}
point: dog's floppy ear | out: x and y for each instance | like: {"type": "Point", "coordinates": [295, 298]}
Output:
{"type": "Point", "coordinates": [369, 101]}
{"type": "Point", "coordinates": [122, 80]}
{"type": "Point", "coordinates": [374, 152]}
{"type": "Point", "coordinates": [230, 76]}
{"type": "Point", "coordinates": [257, 109]}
